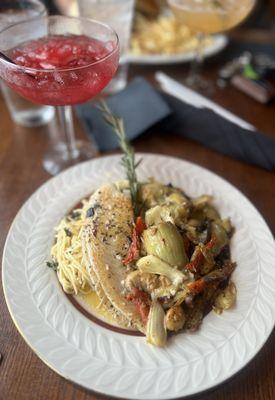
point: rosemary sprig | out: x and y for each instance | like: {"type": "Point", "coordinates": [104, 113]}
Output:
{"type": "Point", "coordinates": [128, 157]}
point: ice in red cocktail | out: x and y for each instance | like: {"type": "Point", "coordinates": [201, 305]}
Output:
{"type": "Point", "coordinates": [62, 69]}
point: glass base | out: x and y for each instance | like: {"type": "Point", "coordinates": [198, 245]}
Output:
{"type": "Point", "coordinates": [59, 158]}
{"type": "Point", "coordinates": [199, 84]}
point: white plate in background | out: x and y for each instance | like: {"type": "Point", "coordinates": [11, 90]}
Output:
{"type": "Point", "coordinates": [219, 43]}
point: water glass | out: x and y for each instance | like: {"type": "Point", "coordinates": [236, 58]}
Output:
{"type": "Point", "coordinates": [22, 111]}
{"type": "Point", "coordinates": [119, 15]}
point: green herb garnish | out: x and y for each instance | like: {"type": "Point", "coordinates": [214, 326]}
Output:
{"type": "Point", "coordinates": [128, 158]}
{"type": "Point", "coordinates": [75, 215]}
{"type": "Point", "coordinates": [52, 264]}
{"type": "Point", "coordinates": [68, 232]}
{"type": "Point", "coordinates": [218, 4]}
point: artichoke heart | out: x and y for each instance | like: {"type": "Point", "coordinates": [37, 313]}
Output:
{"type": "Point", "coordinates": [202, 201]}
{"type": "Point", "coordinates": [156, 331]}
{"type": "Point", "coordinates": [177, 198]}
{"type": "Point", "coordinates": [226, 299]}
{"type": "Point", "coordinates": [220, 238]}
{"type": "Point", "coordinates": [146, 281]}
{"type": "Point", "coordinates": [165, 242]}
{"type": "Point", "coordinates": [154, 265]}
{"type": "Point", "coordinates": [174, 213]}
{"type": "Point", "coordinates": [153, 193]}
{"type": "Point", "coordinates": [154, 215]}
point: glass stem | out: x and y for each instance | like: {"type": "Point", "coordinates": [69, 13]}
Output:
{"type": "Point", "coordinates": [196, 65]}
{"type": "Point", "coordinates": [66, 122]}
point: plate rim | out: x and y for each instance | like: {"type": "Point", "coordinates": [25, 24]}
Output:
{"type": "Point", "coordinates": [220, 41]}
{"type": "Point", "coordinates": [115, 156]}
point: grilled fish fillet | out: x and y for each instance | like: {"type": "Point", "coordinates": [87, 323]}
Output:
{"type": "Point", "coordinates": [106, 237]}
{"type": "Point", "coordinates": [120, 319]}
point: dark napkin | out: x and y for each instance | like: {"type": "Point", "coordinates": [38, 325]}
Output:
{"type": "Point", "coordinates": [219, 134]}
{"type": "Point", "coordinates": [141, 107]}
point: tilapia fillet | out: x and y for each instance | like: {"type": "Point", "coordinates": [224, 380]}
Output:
{"type": "Point", "coordinates": [106, 238]}
{"type": "Point", "coordinates": [104, 302]}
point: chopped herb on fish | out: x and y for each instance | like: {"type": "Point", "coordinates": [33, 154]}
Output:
{"type": "Point", "coordinates": [68, 232]}
{"type": "Point", "coordinates": [52, 264]}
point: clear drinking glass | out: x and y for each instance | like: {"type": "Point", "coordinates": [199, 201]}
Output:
{"type": "Point", "coordinates": [207, 17]}
{"type": "Point", "coordinates": [63, 61]}
{"type": "Point", "coordinates": [22, 111]}
{"type": "Point", "coordinates": [119, 15]}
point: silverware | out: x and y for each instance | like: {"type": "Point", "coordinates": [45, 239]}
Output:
{"type": "Point", "coordinates": [187, 95]}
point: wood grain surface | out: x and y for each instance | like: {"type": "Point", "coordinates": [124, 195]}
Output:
{"type": "Point", "coordinates": [23, 376]}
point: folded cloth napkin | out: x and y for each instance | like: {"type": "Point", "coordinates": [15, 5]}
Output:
{"type": "Point", "coordinates": [141, 106]}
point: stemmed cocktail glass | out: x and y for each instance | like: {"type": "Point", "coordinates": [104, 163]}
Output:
{"type": "Point", "coordinates": [60, 61]}
{"type": "Point", "coordinates": [207, 17]}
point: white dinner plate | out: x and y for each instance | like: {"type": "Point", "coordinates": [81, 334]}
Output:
{"type": "Point", "coordinates": [219, 43]}
{"type": "Point", "coordinates": [119, 364]}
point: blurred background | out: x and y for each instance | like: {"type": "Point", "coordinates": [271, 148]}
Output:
{"type": "Point", "coordinates": [216, 47]}
{"type": "Point", "coordinates": [154, 32]}
{"type": "Point", "coordinates": [237, 36]}
{"type": "Point", "coordinates": [262, 17]}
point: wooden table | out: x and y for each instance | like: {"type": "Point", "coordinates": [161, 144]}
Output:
{"type": "Point", "coordinates": [22, 375]}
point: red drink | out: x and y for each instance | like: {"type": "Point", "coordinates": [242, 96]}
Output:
{"type": "Point", "coordinates": [60, 69]}
{"type": "Point", "coordinates": [68, 69]}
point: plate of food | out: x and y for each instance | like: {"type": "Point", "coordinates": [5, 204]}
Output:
{"type": "Point", "coordinates": [142, 276]}
{"type": "Point", "coordinates": [163, 40]}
